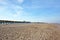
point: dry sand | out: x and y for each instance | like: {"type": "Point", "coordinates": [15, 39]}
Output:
{"type": "Point", "coordinates": [29, 32]}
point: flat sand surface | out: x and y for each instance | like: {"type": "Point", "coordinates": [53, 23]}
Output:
{"type": "Point", "coordinates": [29, 31]}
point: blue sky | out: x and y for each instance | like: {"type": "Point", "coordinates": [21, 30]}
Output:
{"type": "Point", "coordinates": [30, 10]}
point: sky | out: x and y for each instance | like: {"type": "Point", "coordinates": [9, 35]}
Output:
{"type": "Point", "coordinates": [30, 10]}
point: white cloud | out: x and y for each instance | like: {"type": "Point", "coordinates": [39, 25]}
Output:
{"type": "Point", "coordinates": [20, 1]}
{"type": "Point", "coordinates": [18, 10]}
{"type": "Point", "coordinates": [18, 13]}
{"type": "Point", "coordinates": [10, 11]}
{"type": "Point", "coordinates": [16, 7]}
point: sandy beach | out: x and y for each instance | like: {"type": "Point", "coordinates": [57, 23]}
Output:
{"type": "Point", "coordinates": [29, 31]}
